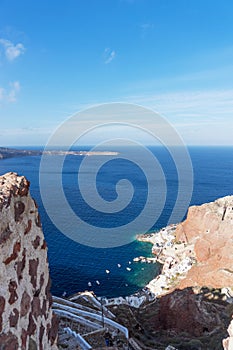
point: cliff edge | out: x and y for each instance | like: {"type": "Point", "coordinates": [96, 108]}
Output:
{"type": "Point", "coordinates": [194, 290]}
{"type": "Point", "coordinates": [26, 318]}
{"type": "Point", "coordinates": [209, 229]}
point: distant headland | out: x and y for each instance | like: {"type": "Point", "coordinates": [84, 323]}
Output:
{"type": "Point", "coordinates": [6, 152]}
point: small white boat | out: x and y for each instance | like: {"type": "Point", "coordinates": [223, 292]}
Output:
{"type": "Point", "coordinates": [119, 265]}
{"type": "Point", "coordinates": [107, 271]}
{"type": "Point", "coordinates": [126, 285]}
{"type": "Point", "coordinates": [89, 284]}
{"type": "Point", "coordinates": [130, 262]}
{"type": "Point", "coordinates": [98, 282]}
{"type": "Point", "coordinates": [128, 268]}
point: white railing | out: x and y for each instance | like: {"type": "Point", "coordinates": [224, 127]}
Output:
{"type": "Point", "coordinates": [74, 311]}
{"type": "Point", "coordinates": [80, 340]}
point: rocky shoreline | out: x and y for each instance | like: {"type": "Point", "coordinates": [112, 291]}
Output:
{"type": "Point", "coordinates": [194, 307]}
{"type": "Point", "coordinates": [178, 247]}
{"type": "Point", "coordinates": [196, 252]}
{"type": "Point", "coordinates": [176, 259]}
{"type": "Point", "coordinates": [174, 311]}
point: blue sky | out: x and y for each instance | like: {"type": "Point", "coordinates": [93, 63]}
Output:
{"type": "Point", "coordinates": [58, 57]}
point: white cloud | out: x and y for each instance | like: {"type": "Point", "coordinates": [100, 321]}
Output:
{"type": "Point", "coordinates": [2, 93]}
{"type": "Point", "coordinates": [201, 117]}
{"type": "Point", "coordinates": [109, 55]}
{"type": "Point", "coordinates": [15, 88]}
{"type": "Point", "coordinates": [24, 136]}
{"type": "Point", "coordinates": [10, 95]}
{"type": "Point", "coordinates": [205, 104]}
{"type": "Point", "coordinates": [11, 51]}
{"type": "Point", "coordinates": [145, 27]}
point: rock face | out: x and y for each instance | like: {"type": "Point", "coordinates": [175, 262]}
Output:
{"type": "Point", "coordinates": [209, 228]}
{"type": "Point", "coordinates": [185, 311]}
{"type": "Point", "coordinates": [26, 319]}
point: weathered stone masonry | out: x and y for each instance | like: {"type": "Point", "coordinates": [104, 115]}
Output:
{"type": "Point", "coordinates": [26, 319]}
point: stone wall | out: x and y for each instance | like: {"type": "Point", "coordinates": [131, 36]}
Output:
{"type": "Point", "coordinates": [26, 319]}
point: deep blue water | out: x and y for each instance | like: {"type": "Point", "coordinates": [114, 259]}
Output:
{"type": "Point", "coordinates": [73, 265]}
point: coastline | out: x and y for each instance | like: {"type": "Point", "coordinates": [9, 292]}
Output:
{"type": "Point", "coordinates": [12, 153]}
{"type": "Point", "coordinates": [176, 259]}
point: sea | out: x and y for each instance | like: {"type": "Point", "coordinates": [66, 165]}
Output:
{"type": "Point", "coordinates": [111, 272]}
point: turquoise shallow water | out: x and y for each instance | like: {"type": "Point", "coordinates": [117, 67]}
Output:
{"type": "Point", "coordinates": [74, 265]}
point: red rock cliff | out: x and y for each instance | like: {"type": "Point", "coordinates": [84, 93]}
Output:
{"type": "Point", "coordinates": [26, 319]}
{"type": "Point", "coordinates": [210, 228]}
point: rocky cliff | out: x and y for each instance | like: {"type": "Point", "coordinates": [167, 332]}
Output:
{"type": "Point", "coordinates": [209, 228]}
{"type": "Point", "coordinates": [178, 318]}
{"type": "Point", "coordinates": [195, 287]}
{"type": "Point", "coordinates": [26, 319]}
